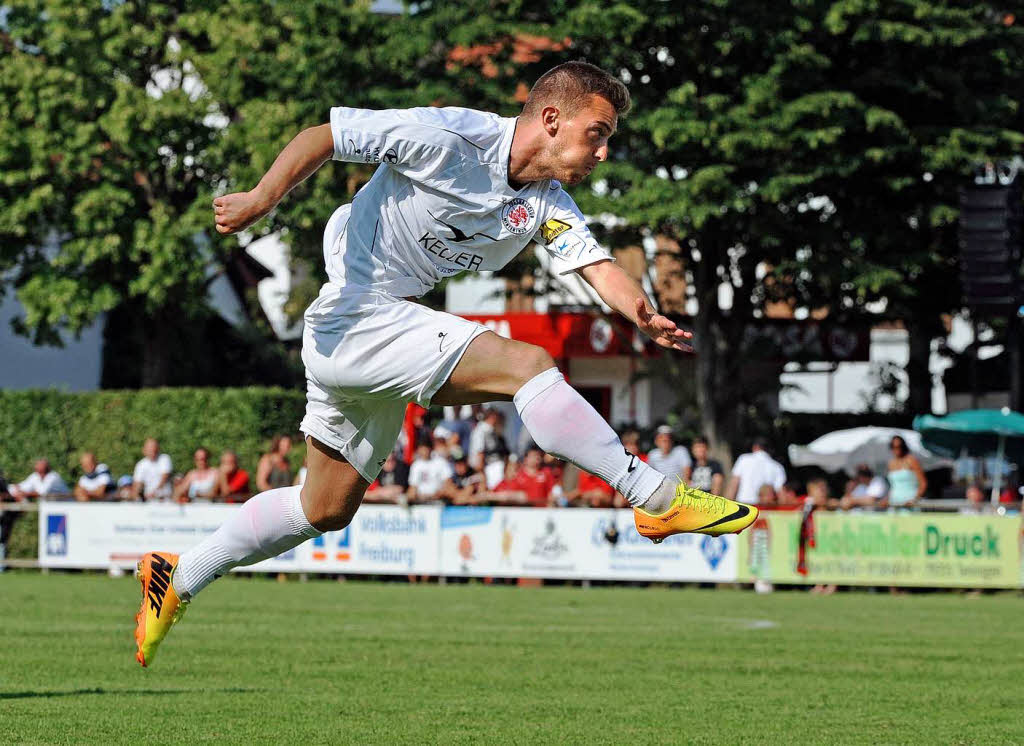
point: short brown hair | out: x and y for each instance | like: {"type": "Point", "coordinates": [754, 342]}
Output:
{"type": "Point", "coordinates": [570, 84]}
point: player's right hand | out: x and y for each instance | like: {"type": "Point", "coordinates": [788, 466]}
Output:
{"type": "Point", "coordinates": [236, 212]}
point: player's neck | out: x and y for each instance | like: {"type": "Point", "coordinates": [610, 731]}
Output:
{"type": "Point", "coordinates": [526, 156]}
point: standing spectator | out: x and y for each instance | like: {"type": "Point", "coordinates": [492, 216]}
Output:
{"type": "Point", "coordinates": [392, 482]}
{"type": "Point", "coordinates": [42, 482]}
{"type": "Point", "coordinates": [95, 482]}
{"type": "Point", "coordinates": [865, 490]}
{"type": "Point", "coordinates": [487, 447]}
{"type": "Point", "coordinates": [200, 483]}
{"type": "Point", "coordinates": [751, 471]}
{"type": "Point", "coordinates": [706, 473]}
{"type": "Point", "coordinates": [427, 474]}
{"type": "Point", "coordinates": [232, 480]}
{"type": "Point", "coordinates": [907, 483]}
{"type": "Point", "coordinates": [151, 479]}
{"type": "Point", "coordinates": [273, 470]}
{"type": "Point", "coordinates": [459, 421]}
{"type": "Point", "coordinates": [7, 521]}
{"type": "Point", "coordinates": [671, 460]}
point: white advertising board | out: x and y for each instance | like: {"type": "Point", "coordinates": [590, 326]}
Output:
{"type": "Point", "coordinates": [574, 544]}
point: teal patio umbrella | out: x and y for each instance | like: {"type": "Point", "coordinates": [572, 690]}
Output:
{"type": "Point", "coordinates": [976, 432]}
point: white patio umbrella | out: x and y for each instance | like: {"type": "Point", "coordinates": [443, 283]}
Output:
{"type": "Point", "coordinates": [843, 450]}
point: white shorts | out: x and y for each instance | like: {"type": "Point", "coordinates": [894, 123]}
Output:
{"type": "Point", "coordinates": [367, 354]}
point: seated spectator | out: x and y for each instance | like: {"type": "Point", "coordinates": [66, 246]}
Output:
{"type": "Point", "coordinates": [273, 470]}
{"type": "Point", "coordinates": [232, 480]}
{"type": "Point", "coordinates": [591, 492]}
{"type": "Point", "coordinates": [791, 496]}
{"type": "Point", "coordinates": [465, 485]}
{"type": "Point", "coordinates": [200, 483]}
{"type": "Point", "coordinates": [151, 479]}
{"type": "Point", "coordinates": [976, 503]}
{"type": "Point", "coordinates": [96, 483]}
{"type": "Point", "coordinates": [427, 474]}
{"type": "Point", "coordinates": [668, 458]}
{"type": "Point", "coordinates": [508, 491]}
{"type": "Point", "coordinates": [865, 490]}
{"type": "Point", "coordinates": [706, 473]}
{"type": "Point", "coordinates": [534, 480]}
{"type": "Point", "coordinates": [392, 483]}
{"type": "Point", "coordinates": [42, 482]}
{"type": "Point", "coordinates": [817, 494]}
{"type": "Point", "coordinates": [767, 497]}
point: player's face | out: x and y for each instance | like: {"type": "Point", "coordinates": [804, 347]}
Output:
{"type": "Point", "coordinates": [582, 140]}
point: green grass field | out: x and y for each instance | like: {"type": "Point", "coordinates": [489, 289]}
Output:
{"type": "Point", "coordinates": [322, 662]}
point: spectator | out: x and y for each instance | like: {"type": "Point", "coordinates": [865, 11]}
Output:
{"type": "Point", "coordinates": [459, 421]}
{"type": "Point", "coordinates": [631, 442]}
{"type": "Point", "coordinates": [751, 471]}
{"type": "Point", "coordinates": [791, 496]}
{"type": "Point", "coordinates": [427, 474]}
{"type": "Point", "coordinates": [465, 485]}
{"type": "Point", "coordinates": [200, 483]}
{"type": "Point", "coordinates": [907, 483]}
{"type": "Point", "coordinates": [535, 481]}
{"type": "Point", "coordinates": [865, 490]}
{"type": "Point", "coordinates": [508, 491]}
{"type": "Point", "coordinates": [96, 483]}
{"type": "Point", "coordinates": [591, 492]}
{"type": "Point", "coordinates": [232, 480]}
{"type": "Point", "coordinates": [976, 504]}
{"type": "Point", "coordinates": [706, 473]}
{"type": "Point", "coordinates": [273, 470]}
{"type": "Point", "coordinates": [151, 479]}
{"type": "Point", "coordinates": [392, 483]}
{"type": "Point", "coordinates": [42, 482]}
{"type": "Point", "coordinates": [817, 494]}
{"type": "Point", "coordinates": [487, 447]}
{"type": "Point", "coordinates": [767, 497]}
{"type": "Point", "coordinates": [7, 520]}
{"type": "Point", "coordinates": [671, 460]}
{"type": "Point", "coordinates": [440, 448]}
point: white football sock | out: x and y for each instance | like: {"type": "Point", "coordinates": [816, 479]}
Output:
{"type": "Point", "coordinates": [266, 525]}
{"type": "Point", "coordinates": [565, 425]}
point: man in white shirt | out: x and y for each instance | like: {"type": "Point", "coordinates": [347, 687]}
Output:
{"type": "Point", "coordinates": [42, 482]}
{"type": "Point", "coordinates": [427, 473]}
{"type": "Point", "coordinates": [454, 190]}
{"type": "Point", "coordinates": [151, 479]}
{"type": "Point", "coordinates": [95, 482]}
{"type": "Point", "coordinates": [668, 458]}
{"type": "Point", "coordinates": [752, 471]}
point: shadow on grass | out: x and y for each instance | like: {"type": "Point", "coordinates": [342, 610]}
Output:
{"type": "Point", "coordinates": [100, 690]}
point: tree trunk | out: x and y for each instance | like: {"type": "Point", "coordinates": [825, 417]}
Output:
{"type": "Point", "coordinates": [156, 352]}
{"type": "Point", "coordinates": [919, 378]}
{"type": "Point", "coordinates": [707, 333]}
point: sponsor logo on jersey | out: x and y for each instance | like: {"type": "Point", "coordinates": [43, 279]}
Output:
{"type": "Point", "coordinates": [517, 216]}
{"type": "Point", "coordinates": [437, 247]}
{"type": "Point", "coordinates": [552, 229]}
{"type": "Point", "coordinates": [374, 155]}
{"type": "Point", "coordinates": [568, 246]}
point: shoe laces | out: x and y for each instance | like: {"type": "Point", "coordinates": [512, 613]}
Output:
{"type": "Point", "coordinates": [699, 500]}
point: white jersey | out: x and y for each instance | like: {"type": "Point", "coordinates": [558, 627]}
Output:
{"type": "Point", "coordinates": [440, 202]}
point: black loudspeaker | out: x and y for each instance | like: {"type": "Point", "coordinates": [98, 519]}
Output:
{"type": "Point", "coordinates": [990, 245]}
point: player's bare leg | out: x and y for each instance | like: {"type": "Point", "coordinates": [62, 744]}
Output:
{"type": "Point", "coordinates": [268, 524]}
{"type": "Point", "coordinates": [564, 424]}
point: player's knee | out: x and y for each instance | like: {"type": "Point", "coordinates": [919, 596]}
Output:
{"type": "Point", "coordinates": [533, 361]}
{"type": "Point", "coordinates": [328, 510]}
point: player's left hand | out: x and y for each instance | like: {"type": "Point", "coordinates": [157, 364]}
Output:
{"type": "Point", "coordinates": [661, 329]}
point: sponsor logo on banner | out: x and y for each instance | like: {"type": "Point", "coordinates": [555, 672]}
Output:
{"type": "Point", "coordinates": [517, 216]}
{"type": "Point", "coordinates": [713, 548]}
{"type": "Point", "coordinates": [507, 538]}
{"type": "Point", "coordinates": [333, 545]}
{"type": "Point", "coordinates": [549, 545]}
{"type": "Point", "coordinates": [57, 535]}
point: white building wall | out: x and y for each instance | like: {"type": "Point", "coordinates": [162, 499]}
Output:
{"type": "Point", "coordinates": [630, 402]}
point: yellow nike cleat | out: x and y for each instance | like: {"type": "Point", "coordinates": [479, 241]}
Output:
{"type": "Point", "coordinates": [694, 511]}
{"type": "Point", "coordinates": [161, 607]}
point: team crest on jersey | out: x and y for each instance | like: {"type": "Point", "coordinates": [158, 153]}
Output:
{"type": "Point", "coordinates": [552, 229]}
{"type": "Point", "coordinates": [518, 216]}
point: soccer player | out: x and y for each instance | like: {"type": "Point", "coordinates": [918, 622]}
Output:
{"type": "Point", "coordinates": [455, 190]}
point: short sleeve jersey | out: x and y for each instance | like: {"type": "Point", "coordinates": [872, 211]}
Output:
{"type": "Point", "coordinates": [440, 203]}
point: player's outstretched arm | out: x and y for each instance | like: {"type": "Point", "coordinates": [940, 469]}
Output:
{"type": "Point", "coordinates": [624, 294]}
{"type": "Point", "coordinates": [307, 151]}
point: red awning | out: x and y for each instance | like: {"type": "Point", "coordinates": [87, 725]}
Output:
{"type": "Point", "coordinates": [566, 335]}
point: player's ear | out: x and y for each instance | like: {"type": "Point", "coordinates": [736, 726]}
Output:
{"type": "Point", "coordinates": [551, 118]}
